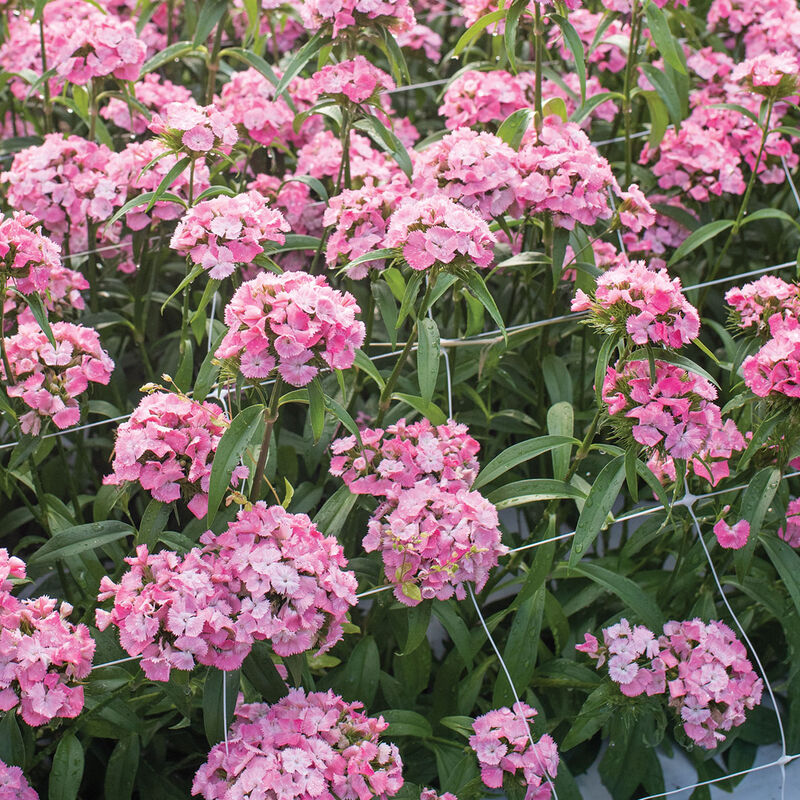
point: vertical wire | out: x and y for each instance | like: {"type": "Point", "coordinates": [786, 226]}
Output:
{"type": "Point", "coordinates": [489, 636]}
{"type": "Point", "coordinates": [791, 182]}
{"type": "Point", "coordinates": [225, 710]}
{"type": "Point", "coordinates": [211, 319]}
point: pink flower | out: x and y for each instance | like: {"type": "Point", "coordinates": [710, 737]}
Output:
{"type": "Point", "coordinates": [356, 80]}
{"type": "Point", "coordinates": [771, 75]}
{"type": "Point", "coordinates": [754, 303]}
{"type": "Point", "coordinates": [13, 785]}
{"type": "Point", "coordinates": [225, 231]}
{"type": "Point", "coordinates": [27, 258]}
{"type": "Point", "coordinates": [774, 371]}
{"type": "Point", "coordinates": [194, 130]}
{"type": "Point", "coordinates": [732, 537]}
{"type": "Point", "coordinates": [345, 15]}
{"type": "Point", "coordinates": [298, 320]}
{"type": "Point", "coordinates": [437, 231]}
{"type": "Point", "coordinates": [791, 533]}
{"type": "Point", "coordinates": [304, 746]}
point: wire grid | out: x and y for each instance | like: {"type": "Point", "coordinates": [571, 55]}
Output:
{"type": "Point", "coordinates": [689, 500]}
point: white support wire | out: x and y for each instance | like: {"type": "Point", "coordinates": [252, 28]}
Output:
{"type": "Point", "coordinates": [791, 182]}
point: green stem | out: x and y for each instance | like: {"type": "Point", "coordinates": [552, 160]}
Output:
{"type": "Point", "coordinates": [538, 37]}
{"type": "Point", "coordinates": [213, 66]}
{"type": "Point", "coordinates": [185, 307]}
{"type": "Point", "coordinates": [91, 263]}
{"type": "Point", "coordinates": [270, 416]}
{"type": "Point", "coordinates": [73, 489]}
{"type": "Point", "coordinates": [48, 106]}
{"type": "Point", "coordinates": [743, 207]}
{"type": "Point", "coordinates": [10, 379]}
{"type": "Point", "coordinates": [92, 109]}
{"type": "Point", "coordinates": [630, 66]}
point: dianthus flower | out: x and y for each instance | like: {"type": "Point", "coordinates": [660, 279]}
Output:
{"type": "Point", "coordinates": [225, 231]}
{"type": "Point", "coordinates": [434, 540]}
{"type": "Point", "coordinates": [702, 667]}
{"type": "Point", "coordinates": [791, 533]}
{"type": "Point", "coordinates": [102, 45]}
{"type": "Point", "coordinates": [353, 16]}
{"type": "Point", "coordinates": [731, 537]}
{"type": "Point", "coordinates": [769, 75]}
{"type": "Point", "coordinates": [665, 233]}
{"type": "Point", "coordinates": [49, 379]}
{"type": "Point", "coordinates": [562, 173]}
{"type": "Point", "coordinates": [42, 655]}
{"type": "Point", "coordinates": [475, 169]}
{"type": "Point", "coordinates": [333, 751]}
{"type": "Point", "coordinates": [175, 611]}
{"type": "Point", "coordinates": [673, 414]}
{"type": "Point", "coordinates": [290, 579]}
{"type": "Point", "coordinates": [504, 745]}
{"type": "Point", "coordinates": [355, 80]}
{"type": "Point", "coordinates": [154, 93]}
{"type": "Point", "coordinates": [644, 304]}
{"type": "Point", "coordinates": [754, 303]}
{"type": "Point", "coordinates": [478, 98]}
{"type": "Point", "coordinates": [194, 130]}
{"type": "Point", "coordinates": [421, 37]}
{"type": "Point", "coordinates": [55, 182]}
{"type": "Point", "coordinates": [635, 212]}
{"type": "Point", "coordinates": [438, 232]}
{"type": "Point", "coordinates": [430, 794]}
{"type": "Point", "coordinates": [248, 98]}
{"type": "Point", "coordinates": [27, 258]}
{"type": "Point", "coordinates": [405, 454]}
{"type": "Point", "coordinates": [294, 321]}
{"type": "Point", "coordinates": [359, 218]}
{"type": "Point", "coordinates": [13, 785]}
{"type": "Point", "coordinates": [774, 371]}
{"type": "Point", "coordinates": [167, 446]}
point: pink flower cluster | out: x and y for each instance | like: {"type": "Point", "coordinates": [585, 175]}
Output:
{"type": "Point", "coordinates": [13, 785]}
{"type": "Point", "coordinates": [49, 379]}
{"type": "Point", "coordinates": [405, 454]}
{"type": "Point", "coordinates": [101, 46]}
{"type": "Point", "coordinates": [438, 232]}
{"type": "Point", "coordinates": [270, 575]}
{"type": "Point", "coordinates": [359, 219]}
{"type": "Point", "coordinates": [791, 533]}
{"type": "Point", "coordinates": [225, 231]}
{"type": "Point", "coordinates": [703, 668]}
{"type": "Point", "coordinates": [154, 93]}
{"type": "Point", "coordinates": [167, 446]}
{"type": "Point", "coordinates": [194, 130]}
{"type": "Point", "coordinates": [295, 321]}
{"type": "Point", "coordinates": [642, 303]}
{"type": "Point", "coordinates": [356, 80]}
{"type": "Point", "coordinates": [42, 655]}
{"type": "Point", "coordinates": [434, 534]}
{"type": "Point", "coordinates": [311, 746]}
{"type": "Point", "coordinates": [291, 580]}
{"type": "Point", "coordinates": [674, 414]}
{"type": "Point", "coordinates": [665, 233]}
{"type": "Point", "coordinates": [504, 745]}
{"type": "Point", "coordinates": [770, 75]}
{"type": "Point", "coordinates": [562, 173]}
{"type": "Point", "coordinates": [27, 257]}
{"type": "Point", "coordinates": [731, 537]}
{"type": "Point", "coordinates": [754, 303]}
{"type": "Point", "coordinates": [475, 169]}
{"type": "Point", "coordinates": [352, 15]}
{"type": "Point", "coordinates": [774, 371]}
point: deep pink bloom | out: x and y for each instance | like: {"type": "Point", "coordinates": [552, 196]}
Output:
{"type": "Point", "coordinates": [732, 537]}
{"type": "Point", "coordinates": [754, 303]}
{"type": "Point", "coordinates": [791, 533]}
{"type": "Point", "coordinates": [774, 371]}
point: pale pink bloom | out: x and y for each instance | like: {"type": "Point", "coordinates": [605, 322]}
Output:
{"type": "Point", "coordinates": [356, 80]}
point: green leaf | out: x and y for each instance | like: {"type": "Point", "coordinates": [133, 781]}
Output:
{"type": "Point", "coordinates": [531, 491]}
{"type": "Point", "coordinates": [787, 562]}
{"type": "Point", "coordinates": [429, 410]}
{"type": "Point", "coordinates": [331, 517]}
{"type": "Point", "coordinates": [260, 670]}
{"type": "Point", "coordinates": [35, 304]}
{"type": "Point", "coordinates": [363, 362]}
{"type": "Point", "coordinates": [142, 200]}
{"type": "Point", "coordinates": [593, 715]}
{"type": "Point", "coordinates": [560, 422]}
{"type": "Point", "coordinates": [177, 168]}
{"type": "Point", "coordinates": [599, 501]}
{"type": "Point", "coordinates": [12, 746]}
{"type": "Point", "coordinates": [359, 681]}
{"type": "Point", "coordinates": [171, 53]}
{"type": "Point", "coordinates": [80, 539]}
{"type": "Point", "coordinates": [210, 14]}
{"type": "Point", "coordinates": [299, 60]}
{"type": "Point", "coordinates": [428, 355]}
{"type": "Point", "coordinates": [373, 255]}
{"type": "Point", "coordinates": [631, 594]}
{"type": "Point", "coordinates": [387, 306]}
{"type": "Point", "coordinates": [666, 91]}
{"type": "Point", "coordinates": [755, 501]}
{"type": "Point", "coordinates": [154, 520]}
{"type": "Point", "coordinates": [394, 54]}
{"type": "Point", "coordinates": [659, 118]}
{"type": "Point", "coordinates": [662, 36]}
{"type": "Point", "coordinates": [229, 451]}
{"type": "Point", "coordinates": [759, 439]}
{"type": "Point", "coordinates": [66, 772]}
{"type": "Point", "coordinates": [122, 767]}
{"type": "Point", "coordinates": [417, 618]}
{"type": "Point", "coordinates": [456, 629]}
{"type": "Point", "coordinates": [477, 286]}
{"type": "Point", "coordinates": [252, 60]}
{"type": "Point", "coordinates": [769, 213]}
{"type": "Point", "coordinates": [518, 8]}
{"type": "Point", "coordinates": [600, 368]}
{"type": "Point", "coordinates": [591, 103]}
{"type": "Point", "coordinates": [406, 723]}
{"type": "Point", "coordinates": [476, 29]}
{"type": "Point", "coordinates": [343, 415]}
{"type": "Point", "coordinates": [560, 242]}
{"type": "Point", "coordinates": [519, 453]}
{"type": "Point", "coordinates": [386, 140]}
{"type": "Point", "coordinates": [409, 296]}
{"type": "Point", "coordinates": [555, 106]}
{"type": "Point", "coordinates": [218, 708]}
{"type": "Point", "coordinates": [316, 408]}
{"type": "Point", "coordinates": [575, 46]}
{"type": "Point", "coordinates": [514, 126]}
